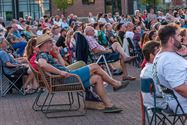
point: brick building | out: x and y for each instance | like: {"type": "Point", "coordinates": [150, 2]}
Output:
{"type": "Point", "coordinates": [10, 9]}
{"type": "Point", "coordinates": [82, 7]}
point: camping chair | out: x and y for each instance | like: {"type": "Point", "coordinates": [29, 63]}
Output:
{"type": "Point", "coordinates": [56, 83]}
{"type": "Point", "coordinates": [134, 50]}
{"type": "Point", "coordinates": [9, 82]}
{"type": "Point", "coordinates": [83, 53]}
{"type": "Point", "coordinates": [175, 114]}
{"type": "Point", "coordinates": [100, 58]}
{"type": "Point", "coordinates": [147, 86]}
{"type": "Point", "coordinates": [4, 82]}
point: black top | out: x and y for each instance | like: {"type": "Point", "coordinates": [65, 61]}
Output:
{"type": "Point", "coordinates": [61, 42]}
{"type": "Point", "coordinates": [121, 34]}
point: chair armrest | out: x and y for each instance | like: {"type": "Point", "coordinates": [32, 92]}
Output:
{"type": "Point", "coordinates": [101, 53]}
{"type": "Point", "coordinates": [71, 81]}
{"type": "Point", "coordinates": [53, 75]}
{"type": "Point", "coordinates": [59, 76]}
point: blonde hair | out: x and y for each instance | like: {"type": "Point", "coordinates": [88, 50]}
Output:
{"type": "Point", "coordinates": [69, 35]}
{"type": "Point", "coordinates": [29, 48]}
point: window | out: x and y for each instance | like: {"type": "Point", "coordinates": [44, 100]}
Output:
{"type": "Point", "coordinates": [88, 1]}
{"type": "Point", "coordinates": [20, 8]}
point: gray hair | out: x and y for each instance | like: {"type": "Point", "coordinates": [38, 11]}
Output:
{"type": "Point", "coordinates": [87, 29]}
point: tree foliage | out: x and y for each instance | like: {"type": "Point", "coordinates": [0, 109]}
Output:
{"type": "Point", "coordinates": [61, 4]}
{"type": "Point", "coordinates": [150, 2]}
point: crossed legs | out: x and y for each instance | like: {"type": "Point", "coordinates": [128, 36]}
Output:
{"type": "Point", "coordinates": [95, 69]}
{"type": "Point", "coordinates": [97, 81]}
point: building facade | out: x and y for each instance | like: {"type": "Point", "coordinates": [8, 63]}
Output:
{"type": "Point", "coordinates": [82, 7]}
{"type": "Point", "coordinates": [10, 9]}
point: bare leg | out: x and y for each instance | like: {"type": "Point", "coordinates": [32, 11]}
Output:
{"type": "Point", "coordinates": [124, 68]}
{"type": "Point", "coordinates": [124, 58]}
{"type": "Point", "coordinates": [96, 69]}
{"type": "Point", "coordinates": [117, 48]}
{"type": "Point", "coordinates": [35, 84]}
{"type": "Point", "coordinates": [100, 90]}
{"type": "Point", "coordinates": [29, 79]}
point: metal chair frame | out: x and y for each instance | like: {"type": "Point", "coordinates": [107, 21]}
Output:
{"type": "Point", "coordinates": [147, 86]}
{"type": "Point", "coordinates": [55, 83]}
{"type": "Point", "coordinates": [36, 106]}
{"type": "Point", "coordinates": [6, 84]}
{"type": "Point", "coordinates": [176, 116]}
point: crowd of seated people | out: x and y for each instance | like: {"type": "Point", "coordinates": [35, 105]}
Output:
{"type": "Point", "coordinates": [119, 37]}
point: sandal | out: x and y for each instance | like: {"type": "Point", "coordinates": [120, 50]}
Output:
{"type": "Point", "coordinates": [31, 91]}
{"type": "Point", "coordinates": [131, 78]}
{"type": "Point", "coordinates": [112, 109]}
{"type": "Point", "coordinates": [123, 85]}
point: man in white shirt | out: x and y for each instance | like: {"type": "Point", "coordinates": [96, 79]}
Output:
{"type": "Point", "coordinates": [171, 68]}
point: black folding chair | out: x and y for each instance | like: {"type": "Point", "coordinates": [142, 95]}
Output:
{"type": "Point", "coordinates": [176, 116]}
{"type": "Point", "coordinates": [9, 82]}
{"type": "Point", "coordinates": [4, 82]}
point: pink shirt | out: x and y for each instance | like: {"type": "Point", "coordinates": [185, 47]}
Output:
{"type": "Point", "coordinates": [92, 42]}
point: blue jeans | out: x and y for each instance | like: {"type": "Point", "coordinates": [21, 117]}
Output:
{"type": "Point", "coordinates": [20, 46]}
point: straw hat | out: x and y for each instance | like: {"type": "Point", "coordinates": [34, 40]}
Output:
{"type": "Point", "coordinates": [42, 39]}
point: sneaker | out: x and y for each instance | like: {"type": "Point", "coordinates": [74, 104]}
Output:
{"type": "Point", "coordinates": [123, 85]}
{"type": "Point", "coordinates": [112, 109]}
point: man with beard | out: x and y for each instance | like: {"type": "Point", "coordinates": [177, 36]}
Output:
{"type": "Point", "coordinates": [171, 68]}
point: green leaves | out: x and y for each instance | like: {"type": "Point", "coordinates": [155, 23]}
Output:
{"type": "Point", "coordinates": [145, 2]}
{"type": "Point", "coordinates": [62, 4]}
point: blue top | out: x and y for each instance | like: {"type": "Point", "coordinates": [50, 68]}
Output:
{"type": "Point", "coordinates": [5, 57]}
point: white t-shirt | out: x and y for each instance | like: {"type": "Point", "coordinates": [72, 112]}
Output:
{"type": "Point", "coordinates": [102, 20]}
{"type": "Point", "coordinates": [172, 72]}
{"type": "Point", "coordinates": [147, 72]}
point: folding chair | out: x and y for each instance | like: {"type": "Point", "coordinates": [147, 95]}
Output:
{"type": "Point", "coordinates": [7, 82]}
{"type": "Point", "coordinates": [71, 85]}
{"type": "Point", "coordinates": [83, 53]}
{"type": "Point", "coordinates": [4, 82]}
{"type": "Point", "coordinates": [175, 114]}
{"type": "Point", "coordinates": [147, 86]}
{"type": "Point", "coordinates": [101, 60]}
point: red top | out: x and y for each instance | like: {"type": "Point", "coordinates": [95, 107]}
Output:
{"type": "Point", "coordinates": [32, 61]}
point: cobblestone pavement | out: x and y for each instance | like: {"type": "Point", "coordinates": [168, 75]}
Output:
{"type": "Point", "coordinates": [16, 109]}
